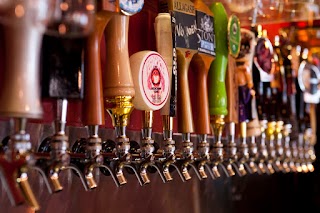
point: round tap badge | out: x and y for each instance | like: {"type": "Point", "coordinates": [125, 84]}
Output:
{"type": "Point", "coordinates": [234, 36]}
{"type": "Point", "coordinates": [308, 80]}
{"type": "Point", "coordinates": [155, 80]}
{"type": "Point", "coordinates": [131, 7]}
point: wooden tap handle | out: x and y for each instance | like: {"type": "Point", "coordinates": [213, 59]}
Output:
{"type": "Point", "coordinates": [93, 107]}
{"type": "Point", "coordinates": [117, 78]}
{"type": "Point", "coordinates": [232, 92]}
{"type": "Point", "coordinates": [20, 86]}
{"type": "Point", "coordinates": [163, 31]}
{"type": "Point", "coordinates": [200, 64]}
{"type": "Point", "coordinates": [217, 73]}
{"type": "Point", "coordinates": [185, 121]}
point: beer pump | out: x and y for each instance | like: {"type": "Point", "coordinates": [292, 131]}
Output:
{"type": "Point", "coordinates": [62, 79]}
{"type": "Point", "coordinates": [308, 81]}
{"type": "Point", "coordinates": [246, 95]}
{"type": "Point", "coordinates": [24, 23]}
{"type": "Point", "coordinates": [232, 116]}
{"type": "Point", "coordinates": [262, 76]}
{"type": "Point", "coordinates": [200, 65]}
{"type": "Point", "coordinates": [118, 87]}
{"type": "Point", "coordinates": [183, 13]}
{"type": "Point", "coordinates": [253, 127]}
{"type": "Point", "coordinates": [151, 80]}
{"type": "Point", "coordinates": [165, 38]}
{"type": "Point", "coordinates": [217, 88]}
{"type": "Point", "coordinates": [93, 106]}
{"type": "Point", "coordinates": [284, 88]}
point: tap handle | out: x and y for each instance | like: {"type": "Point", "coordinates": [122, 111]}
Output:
{"type": "Point", "coordinates": [118, 87]}
{"type": "Point", "coordinates": [185, 121]}
{"type": "Point", "coordinates": [151, 80]}
{"type": "Point", "coordinates": [232, 92]}
{"type": "Point", "coordinates": [20, 88]}
{"type": "Point", "coordinates": [217, 89]}
{"type": "Point", "coordinates": [165, 38]}
{"type": "Point", "coordinates": [62, 67]}
{"type": "Point", "coordinates": [186, 46]}
{"type": "Point", "coordinates": [117, 78]}
{"type": "Point", "coordinates": [200, 64]}
{"type": "Point", "coordinates": [93, 107]}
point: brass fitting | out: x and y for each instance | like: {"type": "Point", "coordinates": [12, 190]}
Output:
{"type": "Point", "coordinates": [119, 108]}
{"type": "Point", "coordinates": [218, 123]}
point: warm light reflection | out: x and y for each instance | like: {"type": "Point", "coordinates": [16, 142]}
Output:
{"type": "Point", "coordinates": [299, 169]}
{"type": "Point", "coordinates": [310, 168]}
{"type": "Point", "coordinates": [62, 29]}
{"type": "Point", "coordinates": [79, 80]}
{"type": "Point", "coordinates": [304, 168]}
{"type": "Point", "coordinates": [27, 108]}
{"type": "Point", "coordinates": [90, 7]}
{"type": "Point", "coordinates": [64, 6]}
{"type": "Point", "coordinates": [19, 11]}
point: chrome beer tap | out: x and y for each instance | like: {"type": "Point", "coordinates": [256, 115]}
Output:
{"type": "Point", "coordinates": [24, 23]}
{"type": "Point", "coordinates": [118, 88]}
{"type": "Point", "coordinates": [151, 81]}
{"type": "Point", "coordinates": [217, 89]}
{"type": "Point", "coordinates": [165, 37]}
{"type": "Point", "coordinates": [62, 79]}
{"type": "Point", "coordinates": [200, 65]}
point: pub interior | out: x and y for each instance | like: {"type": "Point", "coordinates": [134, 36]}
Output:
{"type": "Point", "coordinates": [159, 106]}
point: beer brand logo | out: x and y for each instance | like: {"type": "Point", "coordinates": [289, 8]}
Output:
{"type": "Point", "coordinates": [187, 53]}
{"type": "Point", "coordinates": [155, 80]}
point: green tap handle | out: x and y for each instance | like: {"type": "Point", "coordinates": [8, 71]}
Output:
{"type": "Point", "coordinates": [217, 72]}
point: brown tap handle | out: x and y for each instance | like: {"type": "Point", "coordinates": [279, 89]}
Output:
{"type": "Point", "coordinates": [201, 64]}
{"type": "Point", "coordinates": [185, 121]}
{"type": "Point", "coordinates": [232, 92]}
{"type": "Point", "coordinates": [93, 108]}
{"type": "Point", "coordinates": [117, 79]}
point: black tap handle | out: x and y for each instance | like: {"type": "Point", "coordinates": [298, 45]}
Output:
{"type": "Point", "coordinates": [62, 70]}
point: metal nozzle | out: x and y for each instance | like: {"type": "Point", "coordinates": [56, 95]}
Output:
{"type": "Point", "coordinates": [202, 172]}
{"type": "Point", "coordinates": [310, 167]}
{"type": "Point", "coordinates": [119, 174]}
{"type": "Point", "coordinates": [230, 170]}
{"type": "Point", "coordinates": [253, 167]}
{"type": "Point", "coordinates": [185, 173]}
{"type": "Point", "coordinates": [216, 172]}
{"type": "Point", "coordinates": [167, 174]}
{"type": "Point", "coordinates": [261, 167]}
{"type": "Point", "coordinates": [242, 169]}
{"type": "Point", "coordinates": [91, 181]}
{"type": "Point", "coordinates": [144, 176]}
{"type": "Point", "coordinates": [270, 168]}
{"type": "Point", "coordinates": [54, 177]}
{"type": "Point", "coordinates": [26, 189]}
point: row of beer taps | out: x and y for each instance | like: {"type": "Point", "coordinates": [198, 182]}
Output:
{"type": "Point", "coordinates": [68, 53]}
